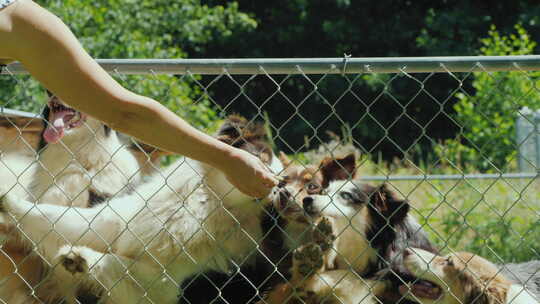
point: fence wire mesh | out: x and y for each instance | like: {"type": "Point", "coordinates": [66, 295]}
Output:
{"type": "Point", "coordinates": [387, 165]}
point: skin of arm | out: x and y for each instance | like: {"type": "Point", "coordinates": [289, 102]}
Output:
{"type": "Point", "coordinates": [52, 54]}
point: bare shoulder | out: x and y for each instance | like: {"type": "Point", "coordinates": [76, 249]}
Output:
{"type": "Point", "coordinates": [18, 15]}
{"type": "Point", "coordinates": [6, 26]}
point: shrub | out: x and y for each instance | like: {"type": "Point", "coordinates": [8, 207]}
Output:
{"type": "Point", "coordinates": [487, 137]}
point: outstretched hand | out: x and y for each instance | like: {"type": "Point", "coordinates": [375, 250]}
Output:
{"type": "Point", "coordinates": [249, 174]}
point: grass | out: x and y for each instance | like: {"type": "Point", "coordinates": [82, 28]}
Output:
{"type": "Point", "coordinates": [497, 219]}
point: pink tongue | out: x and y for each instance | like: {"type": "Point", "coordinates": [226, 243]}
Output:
{"type": "Point", "coordinates": [55, 130]}
{"type": "Point", "coordinates": [421, 291]}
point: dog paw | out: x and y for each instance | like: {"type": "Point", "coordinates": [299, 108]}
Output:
{"type": "Point", "coordinates": [72, 260]}
{"type": "Point", "coordinates": [308, 259]}
{"type": "Point", "coordinates": [323, 234]}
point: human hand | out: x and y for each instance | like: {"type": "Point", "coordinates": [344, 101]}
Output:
{"type": "Point", "coordinates": [249, 174]}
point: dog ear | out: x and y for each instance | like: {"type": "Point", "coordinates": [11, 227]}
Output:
{"type": "Point", "coordinates": [338, 169]}
{"type": "Point", "coordinates": [285, 160]}
{"type": "Point", "coordinates": [387, 215]}
{"type": "Point", "coordinates": [256, 130]}
{"type": "Point", "coordinates": [231, 128]}
{"type": "Point", "coordinates": [388, 205]}
{"type": "Point", "coordinates": [236, 130]}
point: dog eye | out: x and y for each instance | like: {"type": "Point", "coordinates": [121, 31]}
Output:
{"type": "Point", "coordinates": [346, 196]}
{"type": "Point", "coordinates": [312, 188]}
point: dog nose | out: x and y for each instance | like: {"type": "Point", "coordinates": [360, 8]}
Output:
{"type": "Point", "coordinates": [307, 203]}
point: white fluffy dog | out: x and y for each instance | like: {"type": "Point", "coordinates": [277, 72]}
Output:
{"type": "Point", "coordinates": [138, 248]}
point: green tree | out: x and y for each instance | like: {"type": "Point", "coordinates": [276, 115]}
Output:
{"type": "Point", "coordinates": [141, 29]}
{"type": "Point", "coordinates": [487, 118]}
{"type": "Point", "coordinates": [386, 28]}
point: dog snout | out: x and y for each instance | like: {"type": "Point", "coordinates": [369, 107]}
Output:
{"type": "Point", "coordinates": [307, 204]}
{"type": "Point", "coordinates": [407, 252]}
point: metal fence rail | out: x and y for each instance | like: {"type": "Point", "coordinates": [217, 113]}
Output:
{"type": "Point", "coordinates": [402, 121]}
{"type": "Point", "coordinates": [345, 65]}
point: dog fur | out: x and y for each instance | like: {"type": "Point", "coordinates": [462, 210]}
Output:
{"type": "Point", "coordinates": [372, 243]}
{"type": "Point", "coordinates": [315, 277]}
{"type": "Point", "coordinates": [463, 278]}
{"type": "Point", "coordinates": [88, 166]}
{"type": "Point", "coordinates": [187, 220]}
{"type": "Point", "coordinates": [241, 283]}
{"type": "Point", "coordinates": [16, 172]}
{"type": "Point", "coordinates": [526, 274]}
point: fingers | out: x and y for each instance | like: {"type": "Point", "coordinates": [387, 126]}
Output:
{"type": "Point", "coordinates": [253, 188]}
{"type": "Point", "coordinates": [267, 185]}
{"type": "Point", "coordinates": [252, 177]}
{"type": "Point", "coordinates": [258, 194]}
{"type": "Point", "coordinates": [269, 180]}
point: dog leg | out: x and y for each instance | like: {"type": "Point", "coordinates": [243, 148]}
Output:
{"type": "Point", "coordinates": [311, 260]}
{"type": "Point", "coordinates": [116, 279]}
{"type": "Point", "coordinates": [50, 225]}
{"type": "Point", "coordinates": [323, 235]}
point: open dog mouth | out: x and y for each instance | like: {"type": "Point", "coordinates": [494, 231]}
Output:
{"type": "Point", "coordinates": [61, 118]}
{"type": "Point", "coordinates": [286, 204]}
{"type": "Point", "coordinates": [422, 289]}
{"type": "Point", "coordinates": [413, 284]}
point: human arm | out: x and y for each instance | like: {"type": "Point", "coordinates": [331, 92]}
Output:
{"type": "Point", "coordinates": [52, 54]}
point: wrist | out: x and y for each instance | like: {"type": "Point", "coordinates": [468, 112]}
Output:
{"type": "Point", "coordinates": [227, 157]}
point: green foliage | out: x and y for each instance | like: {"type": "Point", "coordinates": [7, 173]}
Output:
{"type": "Point", "coordinates": [320, 28]}
{"type": "Point", "coordinates": [141, 29]}
{"type": "Point", "coordinates": [487, 117]}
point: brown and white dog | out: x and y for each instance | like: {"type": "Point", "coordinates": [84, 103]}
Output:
{"type": "Point", "coordinates": [298, 181]}
{"type": "Point", "coordinates": [372, 226]}
{"type": "Point", "coordinates": [462, 277]}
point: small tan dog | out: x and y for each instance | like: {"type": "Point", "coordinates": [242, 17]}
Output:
{"type": "Point", "coordinates": [459, 278]}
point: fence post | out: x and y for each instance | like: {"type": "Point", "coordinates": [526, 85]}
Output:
{"type": "Point", "coordinates": [528, 140]}
{"type": "Point", "coordinates": [536, 120]}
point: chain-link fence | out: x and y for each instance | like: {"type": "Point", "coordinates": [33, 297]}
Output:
{"type": "Point", "coordinates": [378, 156]}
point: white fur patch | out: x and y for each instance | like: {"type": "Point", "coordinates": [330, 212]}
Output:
{"type": "Point", "coordinates": [518, 294]}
